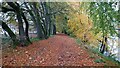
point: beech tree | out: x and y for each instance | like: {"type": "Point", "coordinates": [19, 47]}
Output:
{"type": "Point", "coordinates": [104, 19]}
{"type": "Point", "coordinates": [23, 34]}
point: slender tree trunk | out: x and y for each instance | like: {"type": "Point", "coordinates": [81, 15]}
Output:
{"type": "Point", "coordinates": [44, 19]}
{"type": "Point", "coordinates": [47, 18]}
{"type": "Point", "coordinates": [38, 22]}
{"type": "Point", "coordinates": [54, 26]}
{"type": "Point", "coordinates": [50, 24]}
{"type": "Point", "coordinates": [27, 27]}
{"type": "Point", "coordinates": [21, 30]}
{"type": "Point", "coordinates": [36, 19]}
{"type": "Point", "coordinates": [54, 29]}
{"type": "Point", "coordinates": [103, 46]}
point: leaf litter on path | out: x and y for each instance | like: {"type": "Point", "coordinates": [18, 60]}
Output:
{"type": "Point", "coordinates": [59, 50]}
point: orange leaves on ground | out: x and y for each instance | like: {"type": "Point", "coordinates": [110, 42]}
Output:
{"type": "Point", "coordinates": [60, 50]}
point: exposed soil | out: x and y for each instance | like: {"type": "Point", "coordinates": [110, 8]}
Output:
{"type": "Point", "coordinates": [59, 50]}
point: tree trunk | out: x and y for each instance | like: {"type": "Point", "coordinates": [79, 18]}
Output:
{"type": "Point", "coordinates": [50, 24]}
{"type": "Point", "coordinates": [18, 11]}
{"type": "Point", "coordinates": [103, 45]}
{"type": "Point", "coordinates": [21, 30]}
{"type": "Point", "coordinates": [47, 18]}
{"type": "Point", "coordinates": [27, 28]}
{"type": "Point", "coordinates": [102, 48]}
{"type": "Point", "coordinates": [11, 34]}
{"type": "Point", "coordinates": [38, 22]}
{"type": "Point", "coordinates": [54, 29]}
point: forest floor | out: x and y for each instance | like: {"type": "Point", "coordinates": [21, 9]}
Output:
{"type": "Point", "coordinates": [58, 50]}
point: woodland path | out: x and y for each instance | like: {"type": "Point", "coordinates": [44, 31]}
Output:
{"type": "Point", "coordinates": [59, 50]}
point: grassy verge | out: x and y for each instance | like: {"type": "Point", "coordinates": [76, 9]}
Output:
{"type": "Point", "coordinates": [37, 39]}
{"type": "Point", "coordinates": [34, 39]}
{"type": "Point", "coordinates": [107, 59]}
{"type": "Point", "coordinates": [99, 58]}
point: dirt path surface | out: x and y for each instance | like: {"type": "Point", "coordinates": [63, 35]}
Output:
{"type": "Point", "coordinates": [59, 50]}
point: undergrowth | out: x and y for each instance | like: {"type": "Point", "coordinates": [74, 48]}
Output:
{"type": "Point", "coordinates": [95, 51]}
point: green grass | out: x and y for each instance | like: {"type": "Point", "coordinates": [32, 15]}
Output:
{"type": "Point", "coordinates": [72, 35]}
{"type": "Point", "coordinates": [34, 39]}
{"type": "Point", "coordinates": [99, 60]}
{"type": "Point", "coordinates": [92, 56]}
{"type": "Point", "coordinates": [51, 35]}
{"type": "Point", "coordinates": [94, 51]}
{"type": "Point", "coordinates": [78, 40]}
{"type": "Point", "coordinates": [37, 39]}
{"type": "Point", "coordinates": [6, 40]}
{"type": "Point", "coordinates": [105, 58]}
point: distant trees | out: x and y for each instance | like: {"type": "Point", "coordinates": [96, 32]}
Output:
{"type": "Point", "coordinates": [61, 17]}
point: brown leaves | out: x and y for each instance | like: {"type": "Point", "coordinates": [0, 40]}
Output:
{"type": "Point", "coordinates": [62, 51]}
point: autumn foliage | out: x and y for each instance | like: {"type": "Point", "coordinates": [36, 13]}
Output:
{"type": "Point", "coordinates": [81, 26]}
